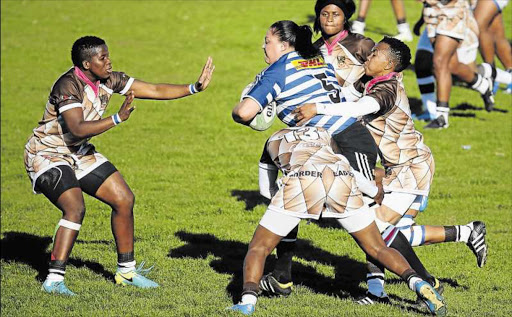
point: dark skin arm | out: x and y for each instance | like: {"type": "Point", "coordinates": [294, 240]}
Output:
{"type": "Point", "coordinates": [144, 90]}
{"type": "Point", "coordinates": [82, 129]}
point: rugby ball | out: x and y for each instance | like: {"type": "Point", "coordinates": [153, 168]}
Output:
{"type": "Point", "coordinates": [264, 120]}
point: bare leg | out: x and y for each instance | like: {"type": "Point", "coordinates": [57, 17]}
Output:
{"type": "Point", "coordinates": [71, 203]}
{"type": "Point", "coordinates": [398, 9]}
{"type": "Point", "coordinates": [262, 244]}
{"type": "Point", "coordinates": [444, 49]}
{"type": "Point", "coordinates": [485, 12]}
{"type": "Point", "coordinates": [116, 193]}
{"type": "Point", "coordinates": [364, 6]}
{"type": "Point", "coordinates": [502, 45]}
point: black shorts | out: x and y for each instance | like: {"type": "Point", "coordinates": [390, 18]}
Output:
{"type": "Point", "coordinates": [357, 145]}
{"type": "Point", "coordinates": [59, 179]}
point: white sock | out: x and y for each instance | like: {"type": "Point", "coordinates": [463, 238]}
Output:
{"type": "Point", "coordinates": [403, 28]}
{"type": "Point", "coordinates": [248, 299]}
{"type": "Point", "coordinates": [481, 85]}
{"type": "Point", "coordinates": [443, 111]}
{"type": "Point", "coordinates": [53, 277]}
{"type": "Point", "coordinates": [412, 282]}
{"type": "Point", "coordinates": [503, 77]}
{"type": "Point", "coordinates": [126, 267]}
{"type": "Point", "coordinates": [465, 232]}
{"type": "Point", "coordinates": [358, 27]}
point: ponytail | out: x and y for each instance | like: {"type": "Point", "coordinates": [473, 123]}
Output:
{"type": "Point", "coordinates": [303, 44]}
{"type": "Point", "coordinates": [297, 36]}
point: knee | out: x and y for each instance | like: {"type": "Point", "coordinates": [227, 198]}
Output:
{"type": "Point", "coordinates": [124, 202]}
{"type": "Point", "coordinates": [440, 63]}
{"type": "Point", "coordinates": [260, 249]}
{"type": "Point", "coordinates": [75, 214]}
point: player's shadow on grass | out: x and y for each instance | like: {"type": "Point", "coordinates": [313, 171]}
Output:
{"type": "Point", "coordinates": [252, 198]}
{"type": "Point", "coordinates": [31, 250]}
{"type": "Point", "coordinates": [230, 256]}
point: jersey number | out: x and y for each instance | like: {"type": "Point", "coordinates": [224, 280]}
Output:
{"type": "Point", "coordinates": [334, 94]}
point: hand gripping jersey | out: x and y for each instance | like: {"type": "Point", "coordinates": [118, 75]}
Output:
{"type": "Point", "coordinates": [51, 143]}
{"type": "Point", "coordinates": [409, 163]}
{"type": "Point", "coordinates": [293, 81]}
{"type": "Point", "coordinates": [316, 180]}
{"type": "Point", "coordinates": [347, 55]}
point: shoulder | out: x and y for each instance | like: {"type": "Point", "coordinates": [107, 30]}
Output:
{"type": "Point", "coordinates": [67, 86]}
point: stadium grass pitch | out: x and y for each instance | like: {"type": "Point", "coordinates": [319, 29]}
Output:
{"type": "Point", "coordinates": [194, 171]}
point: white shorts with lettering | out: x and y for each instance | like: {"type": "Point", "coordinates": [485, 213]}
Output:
{"type": "Point", "coordinates": [401, 202]}
{"type": "Point", "coordinates": [282, 223]}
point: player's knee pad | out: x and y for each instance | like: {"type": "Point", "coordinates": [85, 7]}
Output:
{"type": "Point", "coordinates": [415, 234]}
{"type": "Point", "coordinates": [67, 224]}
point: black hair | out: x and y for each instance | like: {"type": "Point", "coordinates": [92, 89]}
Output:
{"type": "Point", "coordinates": [347, 6]}
{"type": "Point", "coordinates": [84, 48]}
{"type": "Point", "coordinates": [297, 36]}
{"type": "Point", "coordinates": [399, 53]}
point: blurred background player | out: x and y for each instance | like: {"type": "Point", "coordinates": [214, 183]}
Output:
{"type": "Point", "coordinates": [62, 164]}
{"type": "Point", "coordinates": [404, 31]}
{"type": "Point", "coordinates": [447, 22]}
{"type": "Point", "coordinates": [493, 41]}
{"type": "Point", "coordinates": [408, 161]}
{"type": "Point", "coordinates": [318, 183]}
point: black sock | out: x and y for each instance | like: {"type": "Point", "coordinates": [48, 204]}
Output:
{"type": "Point", "coordinates": [401, 21]}
{"type": "Point", "coordinates": [450, 234]}
{"type": "Point", "coordinates": [360, 19]}
{"type": "Point", "coordinates": [285, 252]}
{"type": "Point", "coordinates": [401, 244]}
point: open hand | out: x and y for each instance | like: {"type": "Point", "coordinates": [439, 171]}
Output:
{"type": "Point", "coordinates": [126, 109]}
{"type": "Point", "coordinates": [304, 113]}
{"type": "Point", "coordinates": [206, 75]}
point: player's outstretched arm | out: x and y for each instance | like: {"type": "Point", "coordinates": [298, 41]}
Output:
{"type": "Point", "coordinates": [74, 119]}
{"type": "Point", "coordinates": [144, 90]}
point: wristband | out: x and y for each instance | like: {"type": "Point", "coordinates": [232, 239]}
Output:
{"type": "Point", "coordinates": [192, 89]}
{"type": "Point", "coordinates": [116, 119]}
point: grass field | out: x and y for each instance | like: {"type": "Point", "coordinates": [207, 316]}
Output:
{"type": "Point", "coordinates": [194, 171]}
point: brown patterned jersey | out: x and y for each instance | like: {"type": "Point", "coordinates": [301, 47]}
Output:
{"type": "Point", "coordinates": [409, 163]}
{"type": "Point", "coordinates": [316, 180]}
{"type": "Point", "coordinates": [69, 91]}
{"type": "Point", "coordinates": [392, 127]}
{"type": "Point", "coordinates": [347, 56]}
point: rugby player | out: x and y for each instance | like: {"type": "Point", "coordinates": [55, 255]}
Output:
{"type": "Point", "coordinates": [319, 183]}
{"type": "Point", "coordinates": [404, 31]}
{"type": "Point", "coordinates": [297, 74]}
{"type": "Point", "coordinates": [408, 161]}
{"type": "Point", "coordinates": [447, 22]}
{"type": "Point", "coordinates": [62, 164]}
{"type": "Point", "coordinates": [493, 41]}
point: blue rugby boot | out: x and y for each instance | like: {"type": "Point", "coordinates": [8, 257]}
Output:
{"type": "Point", "coordinates": [135, 278]}
{"type": "Point", "coordinates": [246, 309]}
{"type": "Point", "coordinates": [56, 287]}
{"type": "Point", "coordinates": [435, 302]}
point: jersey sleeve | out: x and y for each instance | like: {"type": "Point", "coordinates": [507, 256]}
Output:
{"type": "Point", "coordinates": [268, 85]}
{"type": "Point", "coordinates": [119, 82]}
{"type": "Point", "coordinates": [385, 94]}
{"type": "Point", "coordinates": [65, 95]}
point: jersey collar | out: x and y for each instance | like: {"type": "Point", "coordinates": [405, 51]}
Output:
{"type": "Point", "coordinates": [330, 47]}
{"type": "Point", "coordinates": [379, 79]}
{"type": "Point", "coordinates": [81, 75]}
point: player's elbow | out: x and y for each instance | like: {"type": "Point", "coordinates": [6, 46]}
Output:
{"type": "Point", "coordinates": [242, 115]}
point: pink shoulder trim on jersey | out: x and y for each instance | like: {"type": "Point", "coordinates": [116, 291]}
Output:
{"type": "Point", "coordinates": [81, 75]}
{"type": "Point", "coordinates": [376, 80]}
{"type": "Point", "coordinates": [338, 38]}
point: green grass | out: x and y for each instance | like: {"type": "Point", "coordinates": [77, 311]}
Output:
{"type": "Point", "coordinates": [194, 171]}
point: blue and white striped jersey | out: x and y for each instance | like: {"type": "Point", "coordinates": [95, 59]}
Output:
{"type": "Point", "coordinates": [293, 81]}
